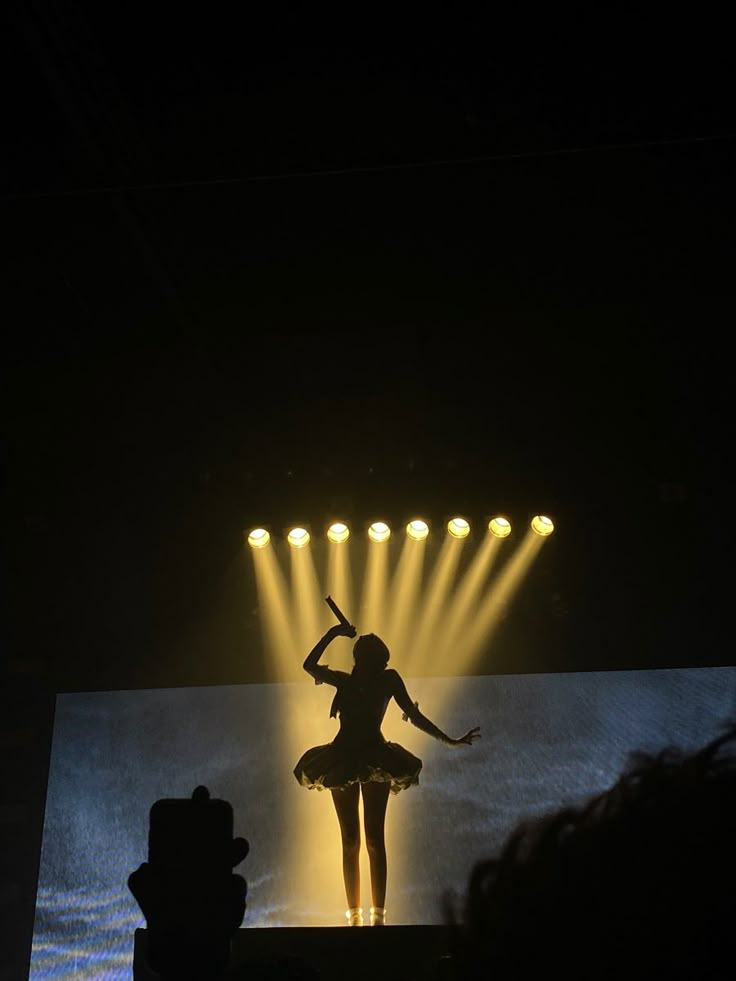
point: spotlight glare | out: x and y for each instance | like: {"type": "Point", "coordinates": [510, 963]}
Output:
{"type": "Point", "coordinates": [500, 527]}
{"type": "Point", "coordinates": [458, 528]}
{"type": "Point", "coordinates": [259, 538]}
{"type": "Point", "coordinates": [417, 530]}
{"type": "Point", "coordinates": [379, 531]}
{"type": "Point", "coordinates": [338, 532]}
{"type": "Point", "coordinates": [542, 525]}
{"type": "Point", "coordinates": [298, 537]}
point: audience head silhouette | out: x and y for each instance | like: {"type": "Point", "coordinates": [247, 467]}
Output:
{"type": "Point", "coordinates": [636, 883]}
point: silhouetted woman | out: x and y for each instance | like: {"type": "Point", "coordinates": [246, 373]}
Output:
{"type": "Point", "coordinates": [360, 761]}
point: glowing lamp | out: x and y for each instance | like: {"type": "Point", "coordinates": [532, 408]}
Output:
{"type": "Point", "coordinates": [417, 530]}
{"type": "Point", "coordinates": [458, 528]}
{"type": "Point", "coordinates": [379, 531]}
{"type": "Point", "coordinates": [298, 537]}
{"type": "Point", "coordinates": [500, 527]}
{"type": "Point", "coordinates": [542, 525]}
{"type": "Point", "coordinates": [259, 538]}
{"type": "Point", "coordinates": [338, 532]}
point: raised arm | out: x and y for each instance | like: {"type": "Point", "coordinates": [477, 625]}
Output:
{"type": "Point", "coordinates": [311, 662]}
{"type": "Point", "coordinates": [418, 719]}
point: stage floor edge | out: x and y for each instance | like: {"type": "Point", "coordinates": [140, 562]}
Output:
{"type": "Point", "coordinates": [389, 953]}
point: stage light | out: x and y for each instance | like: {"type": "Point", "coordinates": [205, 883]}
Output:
{"type": "Point", "coordinates": [259, 538]}
{"type": "Point", "coordinates": [417, 530]}
{"type": "Point", "coordinates": [379, 531]}
{"type": "Point", "coordinates": [298, 537]}
{"type": "Point", "coordinates": [458, 528]}
{"type": "Point", "coordinates": [542, 525]}
{"type": "Point", "coordinates": [338, 532]}
{"type": "Point", "coordinates": [500, 527]}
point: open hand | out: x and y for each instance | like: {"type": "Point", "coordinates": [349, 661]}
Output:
{"type": "Point", "coordinates": [469, 738]}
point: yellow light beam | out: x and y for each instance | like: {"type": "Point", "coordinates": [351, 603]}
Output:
{"type": "Point", "coordinates": [339, 577]}
{"type": "Point", "coordinates": [275, 613]}
{"type": "Point", "coordinates": [314, 853]}
{"type": "Point", "coordinates": [375, 586]}
{"type": "Point", "coordinates": [456, 621]}
{"type": "Point", "coordinates": [437, 698]}
{"type": "Point", "coordinates": [493, 608]}
{"type": "Point", "coordinates": [310, 613]}
{"type": "Point", "coordinates": [435, 600]}
{"type": "Point", "coordinates": [304, 722]}
{"type": "Point", "coordinates": [310, 843]}
{"type": "Point", "coordinates": [402, 598]}
{"type": "Point", "coordinates": [292, 735]}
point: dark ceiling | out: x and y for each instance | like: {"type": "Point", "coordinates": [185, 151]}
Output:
{"type": "Point", "coordinates": [264, 265]}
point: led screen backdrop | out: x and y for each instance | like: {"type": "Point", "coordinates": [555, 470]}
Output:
{"type": "Point", "coordinates": [547, 740]}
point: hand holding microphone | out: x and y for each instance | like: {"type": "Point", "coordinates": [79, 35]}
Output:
{"type": "Point", "coordinates": [346, 629]}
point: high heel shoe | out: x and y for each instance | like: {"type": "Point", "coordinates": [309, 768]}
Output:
{"type": "Point", "coordinates": [378, 915]}
{"type": "Point", "coordinates": [354, 916]}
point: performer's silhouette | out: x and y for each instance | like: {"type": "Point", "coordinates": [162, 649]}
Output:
{"type": "Point", "coordinates": [359, 760]}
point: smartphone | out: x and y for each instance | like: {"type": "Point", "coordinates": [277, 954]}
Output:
{"type": "Point", "coordinates": [190, 836]}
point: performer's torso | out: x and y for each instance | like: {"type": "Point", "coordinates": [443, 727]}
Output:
{"type": "Point", "coordinates": [362, 704]}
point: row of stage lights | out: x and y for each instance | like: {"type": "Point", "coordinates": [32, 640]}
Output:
{"type": "Point", "coordinates": [417, 530]}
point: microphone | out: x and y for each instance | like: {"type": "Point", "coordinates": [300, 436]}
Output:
{"type": "Point", "coordinates": [337, 611]}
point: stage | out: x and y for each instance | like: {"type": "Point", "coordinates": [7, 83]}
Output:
{"type": "Point", "coordinates": [390, 953]}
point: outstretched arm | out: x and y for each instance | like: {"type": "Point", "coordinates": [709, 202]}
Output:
{"type": "Point", "coordinates": [418, 719]}
{"type": "Point", "coordinates": [311, 662]}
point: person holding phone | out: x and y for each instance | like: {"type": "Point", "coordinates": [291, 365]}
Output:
{"type": "Point", "coordinates": [360, 761]}
{"type": "Point", "coordinates": [191, 898]}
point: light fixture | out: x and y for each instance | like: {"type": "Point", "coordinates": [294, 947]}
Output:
{"type": "Point", "coordinates": [500, 526]}
{"type": "Point", "coordinates": [542, 525]}
{"type": "Point", "coordinates": [259, 538]}
{"type": "Point", "coordinates": [338, 532]}
{"type": "Point", "coordinates": [379, 531]}
{"type": "Point", "coordinates": [458, 527]}
{"type": "Point", "coordinates": [298, 537]}
{"type": "Point", "coordinates": [417, 530]}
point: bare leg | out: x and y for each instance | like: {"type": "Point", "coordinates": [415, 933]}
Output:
{"type": "Point", "coordinates": [375, 799]}
{"type": "Point", "coordinates": [346, 805]}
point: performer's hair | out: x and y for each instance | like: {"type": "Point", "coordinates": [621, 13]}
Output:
{"type": "Point", "coordinates": [370, 653]}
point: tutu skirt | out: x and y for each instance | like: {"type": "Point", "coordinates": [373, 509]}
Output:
{"type": "Point", "coordinates": [338, 764]}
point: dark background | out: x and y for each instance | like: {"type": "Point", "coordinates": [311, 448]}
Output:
{"type": "Point", "coordinates": [259, 266]}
